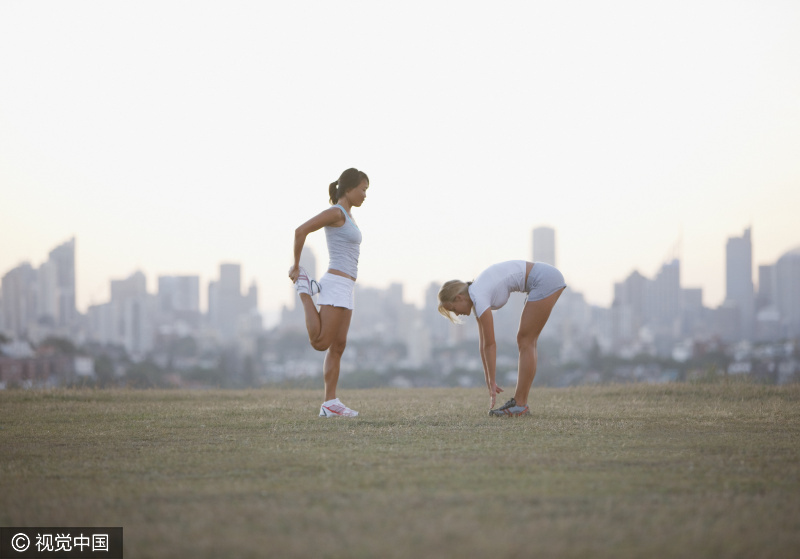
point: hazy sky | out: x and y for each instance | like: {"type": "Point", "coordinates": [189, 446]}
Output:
{"type": "Point", "coordinates": [170, 137]}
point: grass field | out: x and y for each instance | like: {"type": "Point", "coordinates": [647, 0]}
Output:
{"type": "Point", "coordinates": [675, 470]}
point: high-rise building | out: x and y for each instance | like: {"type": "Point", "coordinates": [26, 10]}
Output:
{"type": "Point", "coordinates": [739, 282]}
{"type": "Point", "coordinates": [128, 319]}
{"type": "Point", "coordinates": [544, 245]}
{"type": "Point", "coordinates": [628, 310]}
{"type": "Point", "coordinates": [213, 303]}
{"type": "Point", "coordinates": [179, 301]}
{"type": "Point", "coordinates": [788, 292]}
{"type": "Point", "coordinates": [694, 318]}
{"type": "Point", "coordinates": [664, 303]}
{"type": "Point", "coordinates": [43, 297]}
{"type": "Point", "coordinates": [133, 286]}
{"type": "Point", "coordinates": [650, 312]}
{"type": "Point", "coordinates": [230, 299]}
{"type": "Point", "coordinates": [251, 299]}
{"type": "Point", "coordinates": [62, 264]}
{"type": "Point", "coordinates": [20, 299]}
{"type": "Point", "coordinates": [767, 315]}
{"type": "Point", "coordinates": [133, 313]}
{"type": "Point", "coordinates": [767, 286]}
{"type": "Point", "coordinates": [436, 324]}
{"type": "Point", "coordinates": [178, 294]}
{"type": "Point", "coordinates": [229, 311]}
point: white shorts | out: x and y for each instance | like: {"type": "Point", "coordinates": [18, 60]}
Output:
{"type": "Point", "coordinates": [543, 281]}
{"type": "Point", "coordinates": [337, 291]}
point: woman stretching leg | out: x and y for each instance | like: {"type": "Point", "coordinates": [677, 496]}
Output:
{"type": "Point", "coordinates": [328, 326]}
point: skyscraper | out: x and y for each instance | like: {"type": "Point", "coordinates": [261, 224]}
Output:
{"type": "Point", "coordinates": [132, 310]}
{"type": "Point", "coordinates": [788, 292]}
{"type": "Point", "coordinates": [628, 309]}
{"type": "Point", "coordinates": [20, 299]}
{"type": "Point", "coordinates": [663, 305]}
{"type": "Point", "coordinates": [767, 286]}
{"type": "Point", "coordinates": [179, 294]}
{"type": "Point", "coordinates": [435, 322]}
{"type": "Point", "coordinates": [179, 300]}
{"type": "Point", "coordinates": [44, 296]}
{"type": "Point", "coordinates": [227, 306]}
{"type": "Point", "coordinates": [127, 319]}
{"type": "Point", "coordinates": [739, 281]}
{"type": "Point", "coordinates": [544, 245]}
{"type": "Point", "coordinates": [62, 262]}
{"type": "Point", "coordinates": [230, 298]}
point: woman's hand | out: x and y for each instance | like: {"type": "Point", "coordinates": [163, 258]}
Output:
{"type": "Point", "coordinates": [494, 390]}
{"type": "Point", "coordinates": [294, 272]}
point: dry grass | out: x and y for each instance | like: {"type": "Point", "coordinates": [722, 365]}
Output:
{"type": "Point", "coordinates": [617, 471]}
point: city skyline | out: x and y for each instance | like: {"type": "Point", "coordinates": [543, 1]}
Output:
{"type": "Point", "coordinates": [738, 259]}
{"type": "Point", "coordinates": [163, 338]}
{"type": "Point", "coordinates": [207, 135]}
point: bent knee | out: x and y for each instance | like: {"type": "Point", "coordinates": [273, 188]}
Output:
{"type": "Point", "coordinates": [337, 347]}
{"type": "Point", "coordinates": [526, 341]}
{"type": "Point", "coordinates": [320, 344]}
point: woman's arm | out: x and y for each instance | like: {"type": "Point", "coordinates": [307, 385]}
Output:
{"type": "Point", "coordinates": [483, 353]}
{"type": "Point", "coordinates": [331, 217]}
{"type": "Point", "coordinates": [489, 353]}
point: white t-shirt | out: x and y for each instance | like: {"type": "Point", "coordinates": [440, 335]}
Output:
{"type": "Point", "coordinates": [492, 288]}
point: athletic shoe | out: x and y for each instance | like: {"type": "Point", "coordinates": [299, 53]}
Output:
{"type": "Point", "coordinates": [510, 409]}
{"type": "Point", "coordinates": [335, 408]}
{"type": "Point", "coordinates": [305, 284]}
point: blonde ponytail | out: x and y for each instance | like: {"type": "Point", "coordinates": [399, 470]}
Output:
{"type": "Point", "coordinates": [447, 294]}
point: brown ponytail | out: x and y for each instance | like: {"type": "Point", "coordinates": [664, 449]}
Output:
{"type": "Point", "coordinates": [348, 180]}
{"type": "Point", "coordinates": [333, 191]}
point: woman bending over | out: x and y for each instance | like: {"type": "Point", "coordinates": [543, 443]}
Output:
{"type": "Point", "coordinates": [490, 291]}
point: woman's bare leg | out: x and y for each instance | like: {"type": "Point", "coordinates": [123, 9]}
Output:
{"type": "Point", "coordinates": [333, 357]}
{"type": "Point", "coordinates": [325, 325]}
{"type": "Point", "coordinates": [313, 322]}
{"type": "Point", "coordinates": [534, 317]}
{"type": "Point", "coordinates": [327, 330]}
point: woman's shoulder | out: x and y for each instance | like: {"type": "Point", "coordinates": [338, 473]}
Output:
{"type": "Point", "coordinates": [336, 214]}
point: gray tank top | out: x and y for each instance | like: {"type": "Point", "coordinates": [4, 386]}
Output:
{"type": "Point", "coordinates": [344, 245]}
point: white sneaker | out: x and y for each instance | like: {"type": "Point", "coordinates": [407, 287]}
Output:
{"type": "Point", "coordinates": [305, 284]}
{"type": "Point", "coordinates": [335, 408]}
